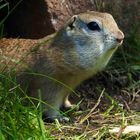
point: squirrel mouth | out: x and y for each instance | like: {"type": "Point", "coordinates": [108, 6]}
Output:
{"type": "Point", "coordinates": [117, 44]}
{"type": "Point", "coordinates": [120, 43]}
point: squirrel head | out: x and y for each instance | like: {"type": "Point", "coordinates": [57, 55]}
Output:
{"type": "Point", "coordinates": [90, 39]}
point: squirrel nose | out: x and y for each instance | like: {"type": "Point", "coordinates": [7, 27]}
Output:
{"type": "Point", "coordinates": [119, 36]}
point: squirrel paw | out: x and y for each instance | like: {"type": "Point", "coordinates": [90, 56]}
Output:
{"type": "Point", "coordinates": [60, 118]}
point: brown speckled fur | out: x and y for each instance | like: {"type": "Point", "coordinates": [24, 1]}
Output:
{"type": "Point", "coordinates": [63, 60]}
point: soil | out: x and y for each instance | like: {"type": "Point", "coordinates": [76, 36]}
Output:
{"type": "Point", "coordinates": [103, 99]}
{"type": "Point", "coordinates": [116, 86]}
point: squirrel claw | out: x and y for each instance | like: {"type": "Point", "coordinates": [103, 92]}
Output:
{"type": "Point", "coordinates": [60, 118]}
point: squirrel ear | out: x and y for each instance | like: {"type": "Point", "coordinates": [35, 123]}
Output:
{"type": "Point", "coordinates": [71, 23]}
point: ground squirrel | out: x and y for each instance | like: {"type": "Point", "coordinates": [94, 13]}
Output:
{"type": "Point", "coordinates": [81, 48]}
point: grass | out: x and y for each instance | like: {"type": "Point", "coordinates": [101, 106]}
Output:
{"type": "Point", "coordinates": [133, 51]}
{"type": "Point", "coordinates": [18, 121]}
{"type": "Point", "coordinates": [25, 122]}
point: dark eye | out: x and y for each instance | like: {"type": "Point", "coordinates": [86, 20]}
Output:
{"type": "Point", "coordinates": [93, 26]}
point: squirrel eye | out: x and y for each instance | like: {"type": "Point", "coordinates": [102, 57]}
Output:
{"type": "Point", "coordinates": [93, 26]}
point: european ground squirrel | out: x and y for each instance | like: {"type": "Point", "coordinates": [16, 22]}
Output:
{"type": "Point", "coordinates": [81, 48]}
